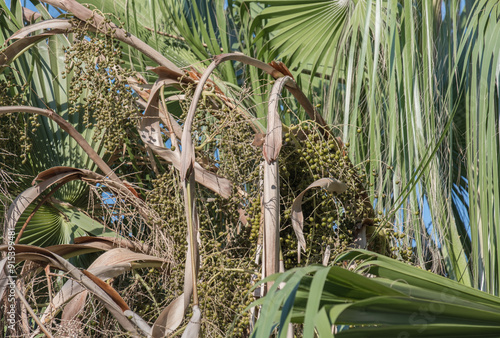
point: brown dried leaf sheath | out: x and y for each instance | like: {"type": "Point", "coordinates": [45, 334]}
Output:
{"type": "Point", "coordinates": [108, 289]}
{"type": "Point", "coordinates": [110, 264]}
{"type": "Point", "coordinates": [331, 185]}
{"type": "Point", "coordinates": [43, 256]}
{"type": "Point", "coordinates": [281, 67]}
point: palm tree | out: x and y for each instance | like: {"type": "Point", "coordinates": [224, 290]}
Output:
{"type": "Point", "coordinates": [409, 88]}
{"type": "Point", "coordinates": [389, 74]}
{"type": "Point", "coordinates": [92, 105]}
{"type": "Point", "coordinates": [412, 84]}
{"type": "Point", "coordinates": [35, 79]}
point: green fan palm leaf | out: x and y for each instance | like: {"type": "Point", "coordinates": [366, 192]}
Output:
{"type": "Point", "coordinates": [397, 299]}
{"type": "Point", "coordinates": [40, 71]}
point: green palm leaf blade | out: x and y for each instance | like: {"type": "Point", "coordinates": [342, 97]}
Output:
{"type": "Point", "coordinates": [305, 33]}
{"type": "Point", "coordinates": [427, 330]}
{"type": "Point", "coordinates": [292, 43]}
{"type": "Point", "coordinates": [40, 69]}
{"type": "Point", "coordinates": [395, 311]}
{"type": "Point", "coordinates": [211, 28]}
{"type": "Point", "coordinates": [390, 269]}
{"type": "Point", "coordinates": [397, 297]}
{"type": "Point", "coordinates": [54, 224]}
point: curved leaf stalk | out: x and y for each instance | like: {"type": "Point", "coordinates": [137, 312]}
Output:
{"type": "Point", "coordinates": [149, 130]}
{"type": "Point", "coordinates": [109, 265]}
{"type": "Point", "coordinates": [187, 158]}
{"type": "Point", "coordinates": [99, 23]}
{"type": "Point", "coordinates": [192, 262]}
{"type": "Point", "coordinates": [329, 184]}
{"type": "Point", "coordinates": [82, 142]}
{"type": "Point", "coordinates": [271, 149]}
{"type": "Point", "coordinates": [271, 195]}
{"type": "Point", "coordinates": [10, 53]}
{"type": "Point", "coordinates": [66, 126]}
{"type": "Point", "coordinates": [108, 296]}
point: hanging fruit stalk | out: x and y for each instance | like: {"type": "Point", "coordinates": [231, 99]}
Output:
{"type": "Point", "coordinates": [271, 199]}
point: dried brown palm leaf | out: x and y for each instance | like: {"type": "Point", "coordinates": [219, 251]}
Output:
{"type": "Point", "coordinates": [4, 271]}
{"type": "Point", "coordinates": [172, 316]}
{"type": "Point", "coordinates": [10, 53]}
{"type": "Point", "coordinates": [73, 308]}
{"type": "Point", "coordinates": [166, 73]}
{"type": "Point", "coordinates": [193, 328]}
{"type": "Point", "coordinates": [281, 67]}
{"type": "Point", "coordinates": [112, 301]}
{"type": "Point", "coordinates": [29, 15]}
{"type": "Point", "coordinates": [110, 264]}
{"type": "Point", "coordinates": [271, 198]}
{"type": "Point", "coordinates": [329, 184]}
{"type": "Point", "coordinates": [87, 244]}
{"type": "Point", "coordinates": [208, 179]}
{"type": "Point", "coordinates": [274, 135]}
{"type": "Point", "coordinates": [100, 24]}
{"type": "Point", "coordinates": [57, 175]}
{"type": "Point", "coordinates": [193, 254]}
{"type": "Point", "coordinates": [149, 127]}
{"type": "Point", "coordinates": [149, 130]}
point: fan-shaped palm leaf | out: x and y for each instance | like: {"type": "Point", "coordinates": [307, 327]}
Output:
{"type": "Point", "coordinates": [397, 299]}
{"type": "Point", "coordinates": [40, 69]}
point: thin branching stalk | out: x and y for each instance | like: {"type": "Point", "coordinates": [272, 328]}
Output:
{"type": "Point", "coordinates": [82, 142]}
{"type": "Point", "coordinates": [30, 310]}
{"type": "Point", "coordinates": [97, 21]}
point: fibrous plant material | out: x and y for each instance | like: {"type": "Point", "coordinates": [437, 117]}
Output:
{"type": "Point", "coordinates": [13, 125]}
{"type": "Point", "coordinates": [110, 298]}
{"type": "Point", "coordinates": [330, 185]}
{"type": "Point", "coordinates": [217, 152]}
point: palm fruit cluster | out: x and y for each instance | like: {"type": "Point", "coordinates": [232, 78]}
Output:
{"type": "Point", "coordinates": [230, 229]}
{"type": "Point", "coordinates": [98, 87]}
{"type": "Point", "coordinates": [14, 126]}
{"type": "Point", "coordinates": [228, 245]}
{"type": "Point", "coordinates": [311, 152]}
{"type": "Point", "coordinates": [331, 220]}
{"type": "Point", "coordinates": [223, 139]}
